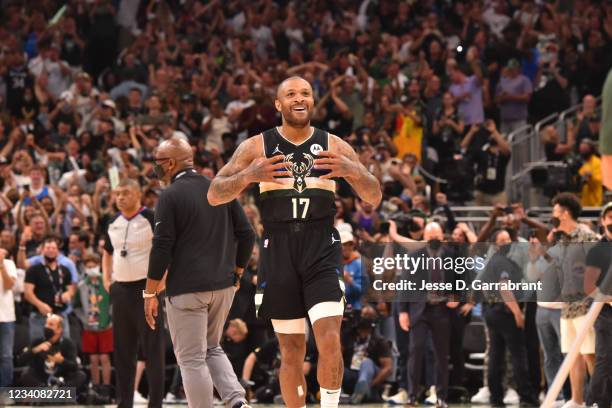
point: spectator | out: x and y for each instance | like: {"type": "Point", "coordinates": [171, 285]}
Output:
{"type": "Point", "coordinates": [590, 171]}
{"type": "Point", "coordinates": [51, 359]}
{"type": "Point", "coordinates": [214, 126]}
{"type": "Point", "coordinates": [513, 94]}
{"type": "Point", "coordinates": [467, 90]}
{"type": "Point", "coordinates": [49, 289]}
{"type": "Point", "coordinates": [97, 337]}
{"type": "Point", "coordinates": [556, 149]}
{"type": "Point", "coordinates": [8, 277]}
{"type": "Point", "coordinates": [353, 277]}
{"type": "Point", "coordinates": [566, 210]}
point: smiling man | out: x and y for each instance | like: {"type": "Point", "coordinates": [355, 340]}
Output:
{"type": "Point", "coordinates": [301, 255]}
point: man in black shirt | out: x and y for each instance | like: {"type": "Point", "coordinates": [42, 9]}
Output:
{"type": "Point", "coordinates": [17, 79]}
{"type": "Point", "coordinates": [204, 250]}
{"type": "Point", "coordinates": [598, 263]}
{"type": "Point", "coordinates": [491, 162]}
{"type": "Point", "coordinates": [48, 287]}
{"type": "Point", "coordinates": [50, 358]}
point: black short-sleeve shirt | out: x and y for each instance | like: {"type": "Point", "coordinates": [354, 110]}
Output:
{"type": "Point", "coordinates": [47, 283]}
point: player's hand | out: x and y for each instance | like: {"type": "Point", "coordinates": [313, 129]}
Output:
{"type": "Point", "coordinates": [262, 169]}
{"type": "Point", "coordinates": [151, 306]}
{"type": "Point", "coordinates": [404, 321]}
{"type": "Point", "coordinates": [340, 165]}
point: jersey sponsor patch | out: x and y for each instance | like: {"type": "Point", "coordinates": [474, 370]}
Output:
{"type": "Point", "coordinates": [316, 149]}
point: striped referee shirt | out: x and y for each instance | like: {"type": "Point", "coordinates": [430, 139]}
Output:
{"type": "Point", "coordinates": [129, 240]}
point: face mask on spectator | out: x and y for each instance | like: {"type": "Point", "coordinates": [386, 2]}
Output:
{"type": "Point", "coordinates": [609, 228]}
{"type": "Point", "coordinates": [93, 272]}
{"type": "Point", "coordinates": [435, 244]}
{"type": "Point", "coordinates": [159, 171]}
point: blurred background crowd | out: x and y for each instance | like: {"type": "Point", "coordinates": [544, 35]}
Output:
{"type": "Point", "coordinates": [428, 93]}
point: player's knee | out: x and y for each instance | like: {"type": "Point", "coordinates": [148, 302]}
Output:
{"type": "Point", "coordinates": [328, 343]}
{"type": "Point", "coordinates": [293, 357]}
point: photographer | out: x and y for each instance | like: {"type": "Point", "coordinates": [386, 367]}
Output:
{"type": "Point", "coordinates": [261, 369]}
{"type": "Point", "coordinates": [367, 359]}
{"type": "Point", "coordinates": [52, 360]}
{"type": "Point", "coordinates": [491, 164]}
{"type": "Point", "coordinates": [48, 287]}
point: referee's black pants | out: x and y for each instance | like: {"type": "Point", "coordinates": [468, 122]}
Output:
{"type": "Point", "coordinates": [601, 382]}
{"type": "Point", "coordinates": [129, 330]}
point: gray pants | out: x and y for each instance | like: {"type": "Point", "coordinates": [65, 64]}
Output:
{"type": "Point", "coordinates": [196, 323]}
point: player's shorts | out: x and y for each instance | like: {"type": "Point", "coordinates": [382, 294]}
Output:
{"type": "Point", "coordinates": [300, 266]}
{"type": "Point", "coordinates": [569, 331]}
{"type": "Point", "coordinates": [97, 342]}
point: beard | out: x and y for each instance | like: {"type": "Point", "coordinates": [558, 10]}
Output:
{"type": "Point", "coordinates": [292, 121]}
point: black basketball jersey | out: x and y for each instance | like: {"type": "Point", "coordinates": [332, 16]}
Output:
{"type": "Point", "coordinates": [302, 196]}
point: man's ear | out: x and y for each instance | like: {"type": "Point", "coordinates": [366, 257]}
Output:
{"type": "Point", "coordinates": [277, 104]}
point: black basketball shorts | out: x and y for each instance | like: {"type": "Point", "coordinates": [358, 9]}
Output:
{"type": "Point", "coordinates": [300, 266]}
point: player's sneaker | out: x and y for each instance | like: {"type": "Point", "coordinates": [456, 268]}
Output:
{"type": "Point", "coordinates": [483, 396]}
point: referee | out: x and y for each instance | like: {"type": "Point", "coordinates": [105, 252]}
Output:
{"type": "Point", "coordinates": [127, 246]}
{"type": "Point", "coordinates": [205, 250]}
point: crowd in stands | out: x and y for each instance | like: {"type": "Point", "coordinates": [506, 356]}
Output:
{"type": "Point", "coordinates": [427, 92]}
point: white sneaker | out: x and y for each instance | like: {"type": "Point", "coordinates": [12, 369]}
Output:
{"type": "Point", "coordinates": [483, 396]}
{"type": "Point", "coordinates": [572, 404]}
{"type": "Point", "coordinates": [558, 404]}
{"type": "Point", "coordinates": [432, 399]}
{"type": "Point", "coordinates": [139, 399]}
{"type": "Point", "coordinates": [400, 398]}
{"type": "Point", "coordinates": [511, 397]}
{"type": "Point", "coordinates": [170, 398]}
{"type": "Point", "coordinates": [217, 402]}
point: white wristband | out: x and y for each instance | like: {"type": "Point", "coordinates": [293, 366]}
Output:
{"type": "Point", "coordinates": [146, 295]}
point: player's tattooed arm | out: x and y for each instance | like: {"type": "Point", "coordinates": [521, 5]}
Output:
{"type": "Point", "coordinates": [344, 162]}
{"type": "Point", "coordinates": [246, 166]}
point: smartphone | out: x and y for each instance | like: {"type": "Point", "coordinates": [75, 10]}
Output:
{"type": "Point", "coordinates": [26, 187]}
{"type": "Point", "coordinates": [508, 210]}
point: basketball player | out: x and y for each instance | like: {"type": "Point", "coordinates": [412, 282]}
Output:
{"type": "Point", "coordinates": [301, 254]}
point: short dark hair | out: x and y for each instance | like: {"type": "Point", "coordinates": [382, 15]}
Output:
{"type": "Point", "coordinates": [53, 238]}
{"type": "Point", "coordinates": [570, 202]}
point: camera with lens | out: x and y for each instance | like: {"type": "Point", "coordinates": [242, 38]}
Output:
{"type": "Point", "coordinates": [123, 253]}
{"type": "Point", "coordinates": [406, 222]}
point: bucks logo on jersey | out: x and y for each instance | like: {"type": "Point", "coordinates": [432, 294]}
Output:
{"type": "Point", "coordinates": [299, 168]}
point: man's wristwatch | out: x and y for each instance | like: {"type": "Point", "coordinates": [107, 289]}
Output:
{"type": "Point", "coordinates": [146, 295]}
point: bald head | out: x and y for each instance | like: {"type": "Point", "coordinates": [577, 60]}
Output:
{"type": "Point", "coordinates": [433, 230]}
{"type": "Point", "coordinates": [172, 156]}
{"type": "Point", "coordinates": [294, 82]}
{"type": "Point", "coordinates": [176, 148]}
